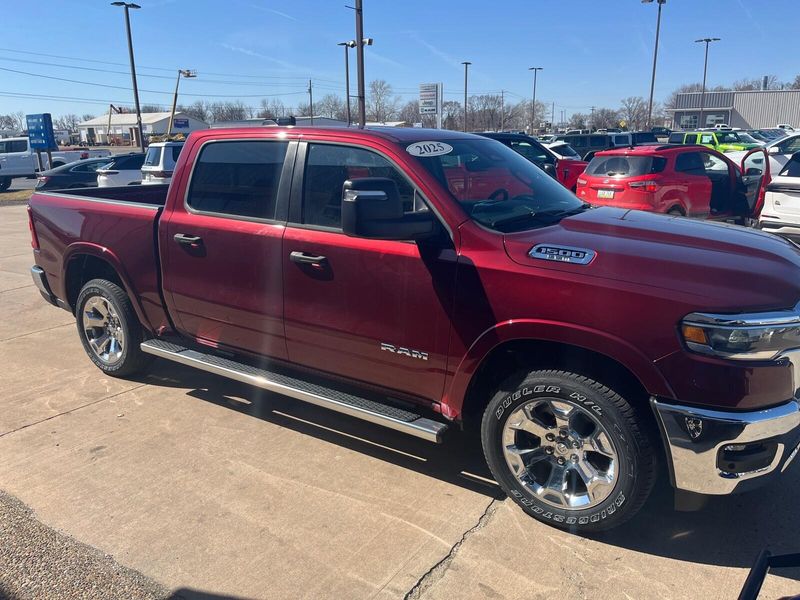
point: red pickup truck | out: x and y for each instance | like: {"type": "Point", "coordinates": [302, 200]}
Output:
{"type": "Point", "coordinates": [424, 279]}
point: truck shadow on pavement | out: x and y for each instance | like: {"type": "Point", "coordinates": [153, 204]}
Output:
{"type": "Point", "coordinates": [725, 531]}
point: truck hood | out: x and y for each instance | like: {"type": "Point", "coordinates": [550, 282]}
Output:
{"type": "Point", "coordinates": [722, 267]}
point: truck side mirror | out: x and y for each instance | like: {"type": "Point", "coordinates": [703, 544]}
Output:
{"type": "Point", "coordinates": [372, 208]}
{"type": "Point", "coordinates": [550, 169]}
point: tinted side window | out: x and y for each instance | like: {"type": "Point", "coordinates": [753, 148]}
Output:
{"type": "Point", "coordinates": [675, 138]}
{"type": "Point", "coordinates": [17, 146]}
{"type": "Point", "coordinates": [790, 146]}
{"type": "Point", "coordinates": [238, 178]}
{"type": "Point", "coordinates": [792, 168]}
{"type": "Point", "coordinates": [531, 152]}
{"type": "Point", "coordinates": [328, 167]}
{"type": "Point", "coordinates": [706, 138]}
{"type": "Point", "coordinates": [153, 157]}
{"type": "Point", "coordinates": [128, 163]}
{"type": "Point", "coordinates": [598, 141]}
{"type": "Point", "coordinates": [691, 163]}
{"type": "Point", "coordinates": [176, 152]}
{"type": "Point", "coordinates": [691, 138]}
{"type": "Point", "coordinates": [86, 167]}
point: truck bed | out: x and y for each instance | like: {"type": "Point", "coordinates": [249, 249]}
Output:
{"type": "Point", "coordinates": [116, 225]}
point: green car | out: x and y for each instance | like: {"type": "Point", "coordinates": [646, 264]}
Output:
{"type": "Point", "coordinates": [722, 140]}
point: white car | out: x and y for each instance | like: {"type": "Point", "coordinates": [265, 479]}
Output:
{"type": "Point", "coordinates": [123, 169]}
{"type": "Point", "coordinates": [159, 162]}
{"type": "Point", "coordinates": [780, 151]}
{"type": "Point", "coordinates": [781, 211]}
{"type": "Point", "coordinates": [785, 126]}
{"type": "Point", "coordinates": [563, 150]}
{"type": "Point", "coordinates": [18, 159]}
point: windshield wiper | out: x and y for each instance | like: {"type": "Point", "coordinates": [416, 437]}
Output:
{"type": "Point", "coordinates": [555, 215]}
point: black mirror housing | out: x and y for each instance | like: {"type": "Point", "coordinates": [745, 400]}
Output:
{"type": "Point", "coordinates": [372, 208]}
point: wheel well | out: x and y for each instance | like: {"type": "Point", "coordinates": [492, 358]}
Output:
{"type": "Point", "coordinates": [83, 268]}
{"type": "Point", "coordinates": [523, 356]}
{"type": "Point", "coordinates": [677, 208]}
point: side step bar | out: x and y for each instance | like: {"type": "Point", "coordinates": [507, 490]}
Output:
{"type": "Point", "coordinates": [349, 404]}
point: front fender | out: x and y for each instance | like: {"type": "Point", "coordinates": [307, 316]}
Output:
{"type": "Point", "coordinates": [600, 342]}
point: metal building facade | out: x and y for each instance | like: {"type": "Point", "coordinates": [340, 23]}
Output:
{"type": "Point", "coordinates": [745, 109]}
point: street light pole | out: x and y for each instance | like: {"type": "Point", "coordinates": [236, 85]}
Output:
{"type": "Point", "coordinates": [533, 104]}
{"type": "Point", "coordinates": [466, 71]}
{"type": "Point", "coordinates": [362, 96]}
{"type": "Point", "coordinates": [655, 59]}
{"type": "Point", "coordinates": [706, 41]}
{"type": "Point", "coordinates": [181, 73]}
{"type": "Point", "coordinates": [129, 5]}
{"type": "Point", "coordinates": [347, 46]}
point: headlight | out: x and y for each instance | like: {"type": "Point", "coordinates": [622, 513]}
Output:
{"type": "Point", "coordinates": [756, 336]}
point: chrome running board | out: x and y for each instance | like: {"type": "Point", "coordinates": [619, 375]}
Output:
{"type": "Point", "coordinates": [361, 408]}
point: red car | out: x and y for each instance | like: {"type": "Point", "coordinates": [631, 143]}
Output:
{"type": "Point", "coordinates": [565, 170]}
{"type": "Point", "coordinates": [424, 280]}
{"type": "Point", "coordinates": [692, 181]}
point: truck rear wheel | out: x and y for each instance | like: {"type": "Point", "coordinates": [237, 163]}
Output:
{"type": "Point", "coordinates": [109, 329]}
{"type": "Point", "coordinates": [568, 450]}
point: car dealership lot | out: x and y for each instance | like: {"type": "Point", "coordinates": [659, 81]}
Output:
{"type": "Point", "coordinates": [202, 484]}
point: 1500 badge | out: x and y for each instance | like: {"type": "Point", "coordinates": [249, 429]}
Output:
{"type": "Point", "coordinates": [404, 351]}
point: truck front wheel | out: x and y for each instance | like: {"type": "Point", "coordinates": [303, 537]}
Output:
{"type": "Point", "coordinates": [109, 329]}
{"type": "Point", "coordinates": [569, 450]}
{"type": "Point", "coordinates": [5, 183]}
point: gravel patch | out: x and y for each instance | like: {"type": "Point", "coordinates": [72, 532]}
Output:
{"type": "Point", "coordinates": [37, 562]}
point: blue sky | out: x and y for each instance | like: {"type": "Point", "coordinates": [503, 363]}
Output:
{"type": "Point", "coordinates": [594, 52]}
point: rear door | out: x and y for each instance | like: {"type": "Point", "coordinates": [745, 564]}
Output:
{"type": "Point", "coordinates": [694, 184]}
{"type": "Point", "coordinates": [367, 310]}
{"type": "Point", "coordinates": [221, 245]}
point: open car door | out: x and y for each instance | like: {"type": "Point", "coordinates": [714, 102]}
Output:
{"type": "Point", "coordinates": [756, 177]}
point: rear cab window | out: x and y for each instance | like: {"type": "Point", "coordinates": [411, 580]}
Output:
{"type": "Point", "coordinates": [237, 178]}
{"type": "Point", "coordinates": [153, 156]}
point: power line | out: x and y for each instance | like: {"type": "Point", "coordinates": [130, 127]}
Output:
{"type": "Point", "coordinates": [119, 87]}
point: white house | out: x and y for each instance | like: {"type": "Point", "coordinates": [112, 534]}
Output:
{"type": "Point", "coordinates": [123, 127]}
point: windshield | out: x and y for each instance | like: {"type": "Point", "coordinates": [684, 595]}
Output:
{"type": "Point", "coordinates": [565, 150]}
{"type": "Point", "coordinates": [496, 186]}
{"type": "Point", "coordinates": [747, 138]}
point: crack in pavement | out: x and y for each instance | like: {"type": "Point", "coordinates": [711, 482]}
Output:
{"type": "Point", "coordinates": [437, 571]}
{"type": "Point", "coordinates": [22, 335]}
{"type": "Point", "coordinates": [71, 410]}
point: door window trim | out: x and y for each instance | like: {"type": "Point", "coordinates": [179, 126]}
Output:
{"type": "Point", "coordinates": [282, 194]}
{"type": "Point", "coordinates": [295, 214]}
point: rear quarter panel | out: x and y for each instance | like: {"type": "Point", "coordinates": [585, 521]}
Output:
{"type": "Point", "coordinates": [120, 233]}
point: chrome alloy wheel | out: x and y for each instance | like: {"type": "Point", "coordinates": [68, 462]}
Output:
{"type": "Point", "coordinates": [103, 329]}
{"type": "Point", "coordinates": [561, 453]}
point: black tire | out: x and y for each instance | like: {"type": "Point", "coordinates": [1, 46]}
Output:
{"type": "Point", "coordinates": [634, 459]}
{"type": "Point", "coordinates": [5, 183]}
{"type": "Point", "coordinates": [675, 212]}
{"type": "Point", "coordinates": [130, 359]}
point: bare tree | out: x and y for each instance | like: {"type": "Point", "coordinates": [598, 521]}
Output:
{"type": "Point", "coordinates": [382, 104]}
{"type": "Point", "coordinates": [230, 110]}
{"type": "Point", "coordinates": [633, 111]}
{"type": "Point", "coordinates": [87, 117]}
{"type": "Point", "coordinates": [152, 108]}
{"type": "Point", "coordinates": [603, 118]}
{"type": "Point", "coordinates": [578, 121]}
{"type": "Point", "coordinates": [271, 109]}
{"type": "Point", "coordinates": [409, 113]}
{"type": "Point", "coordinates": [197, 110]}
{"type": "Point", "coordinates": [69, 122]}
{"type": "Point", "coordinates": [331, 106]}
{"type": "Point", "coordinates": [795, 85]}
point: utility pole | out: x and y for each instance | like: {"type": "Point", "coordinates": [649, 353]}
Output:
{"type": "Point", "coordinates": [553, 117]}
{"type": "Point", "coordinates": [502, 110]}
{"type": "Point", "coordinates": [706, 41]}
{"type": "Point", "coordinates": [533, 103]}
{"type": "Point", "coordinates": [362, 96]}
{"type": "Point", "coordinates": [655, 59]}
{"type": "Point", "coordinates": [591, 119]}
{"type": "Point", "coordinates": [127, 6]}
{"type": "Point", "coordinates": [310, 102]}
{"type": "Point", "coordinates": [466, 70]}
{"type": "Point", "coordinates": [181, 73]}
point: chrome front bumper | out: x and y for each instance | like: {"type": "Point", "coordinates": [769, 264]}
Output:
{"type": "Point", "coordinates": [696, 437]}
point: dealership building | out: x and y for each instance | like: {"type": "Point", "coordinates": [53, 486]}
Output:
{"type": "Point", "coordinates": [752, 109]}
{"type": "Point", "coordinates": [123, 127]}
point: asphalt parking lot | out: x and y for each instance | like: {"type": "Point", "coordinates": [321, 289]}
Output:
{"type": "Point", "coordinates": [181, 484]}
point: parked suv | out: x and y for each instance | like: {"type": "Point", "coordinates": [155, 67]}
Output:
{"type": "Point", "coordinates": [159, 162]}
{"type": "Point", "coordinates": [587, 145]}
{"type": "Point", "coordinates": [678, 180]}
{"type": "Point", "coordinates": [123, 169]}
{"type": "Point", "coordinates": [565, 170]}
{"type": "Point", "coordinates": [723, 140]}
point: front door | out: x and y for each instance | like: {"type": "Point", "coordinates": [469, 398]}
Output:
{"type": "Point", "coordinates": [221, 250]}
{"type": "Point", "coordinates": [367, 310]}
{"type": "Point", "coordinates": [694, 184]}
{"type": "Point", "coordinates": [755, 175]}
